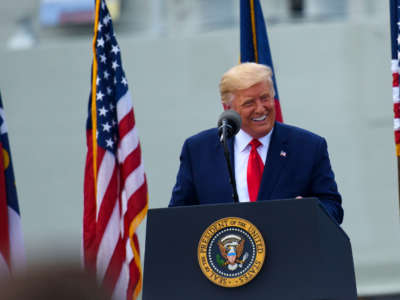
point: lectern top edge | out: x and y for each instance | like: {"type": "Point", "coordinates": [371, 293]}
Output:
{"type": "Point", "coordinates": [307, 201]}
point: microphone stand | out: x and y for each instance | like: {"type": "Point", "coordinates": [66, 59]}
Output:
{"type": "Point", "coordinates": [232, 180]}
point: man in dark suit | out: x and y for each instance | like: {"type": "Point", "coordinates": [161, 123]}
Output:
{"type": "Point", "coordinates": [271, 160]}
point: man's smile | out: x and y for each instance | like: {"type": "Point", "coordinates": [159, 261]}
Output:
{"type": "Point", "coordinates": [259, 119]}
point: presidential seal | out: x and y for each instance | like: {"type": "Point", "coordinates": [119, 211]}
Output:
{"type": "Point", "coordinates": [231, 252]}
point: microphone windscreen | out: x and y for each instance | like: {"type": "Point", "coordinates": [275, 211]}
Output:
{"type": "Point", "coordinates": [232, 119]}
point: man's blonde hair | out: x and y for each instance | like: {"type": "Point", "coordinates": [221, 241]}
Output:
{"type": "Point", "coordinates": [241, 77]}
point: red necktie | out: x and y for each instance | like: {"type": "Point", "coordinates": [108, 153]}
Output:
{"type": "Point", "coordinates": [255, 168]}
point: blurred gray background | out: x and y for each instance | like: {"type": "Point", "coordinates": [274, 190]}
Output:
{"type": "Point", "coordinates": [332, 63]}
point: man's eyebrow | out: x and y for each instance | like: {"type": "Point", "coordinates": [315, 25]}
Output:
{"type": "Point", "coordinates": [248, 100]}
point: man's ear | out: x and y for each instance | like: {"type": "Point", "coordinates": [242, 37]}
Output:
{"type": "Point", "coordinates": [226, 106]}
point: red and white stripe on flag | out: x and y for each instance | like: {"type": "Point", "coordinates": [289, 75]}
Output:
{"type": "Point", "coordinates": [396, 103]}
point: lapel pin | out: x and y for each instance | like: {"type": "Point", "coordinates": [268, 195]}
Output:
{"type": "Point", "coordinates": [283, 153]}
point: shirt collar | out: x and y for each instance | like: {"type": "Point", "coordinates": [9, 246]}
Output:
{"type": "Point", "coordinates": [242, 139]}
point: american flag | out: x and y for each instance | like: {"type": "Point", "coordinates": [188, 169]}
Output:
{"type": "Point", "coordinates": [12, 252]}
{"type": "Point", "coordinates": [254, 45]}
{"type": "Point", "coordinates": [395, 38]}
{"type": "Point", "coordinates": [115, 188]}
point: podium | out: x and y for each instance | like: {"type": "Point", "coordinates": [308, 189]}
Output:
{"type": "Point", "coordinates": [308, 256]}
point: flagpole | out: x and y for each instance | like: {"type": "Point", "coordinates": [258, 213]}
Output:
{"type": "Point", "coordinates": [93, 99]}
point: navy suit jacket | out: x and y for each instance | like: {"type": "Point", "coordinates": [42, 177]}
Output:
{"type": "Point", "coordinates": [297, 164]}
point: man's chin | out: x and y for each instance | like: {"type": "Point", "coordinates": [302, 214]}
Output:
{"type": "Point", "coordinates": [261, 131]}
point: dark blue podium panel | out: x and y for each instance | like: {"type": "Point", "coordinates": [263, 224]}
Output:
{"type": "Point", "coordinates": [308, 256]}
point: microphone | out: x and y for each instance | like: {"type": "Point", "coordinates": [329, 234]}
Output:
{"type": "Point", "coordinates": [229, 123]}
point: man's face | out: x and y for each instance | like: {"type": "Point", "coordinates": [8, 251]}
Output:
{"type": "Point", "coordinates": [256, 107]}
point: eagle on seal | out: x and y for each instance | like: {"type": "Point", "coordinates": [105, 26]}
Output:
{"type": "Point", "coordinates": [231, 252]}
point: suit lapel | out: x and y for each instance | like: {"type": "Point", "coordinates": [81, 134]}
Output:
{"type": "Point", "coordinates": [275, 162]}
{"type": "Point", "coordinates": [220, 147]}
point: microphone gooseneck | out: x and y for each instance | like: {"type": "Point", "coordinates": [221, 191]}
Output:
{"type": "Point", "coordinates": [229, 124]}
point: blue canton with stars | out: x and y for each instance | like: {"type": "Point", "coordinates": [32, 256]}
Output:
{"type": "Point", "coordinates": [111, 83]}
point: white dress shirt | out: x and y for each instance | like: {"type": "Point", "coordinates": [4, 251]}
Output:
{"type": "Point", "coordinates": [241, 150]}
